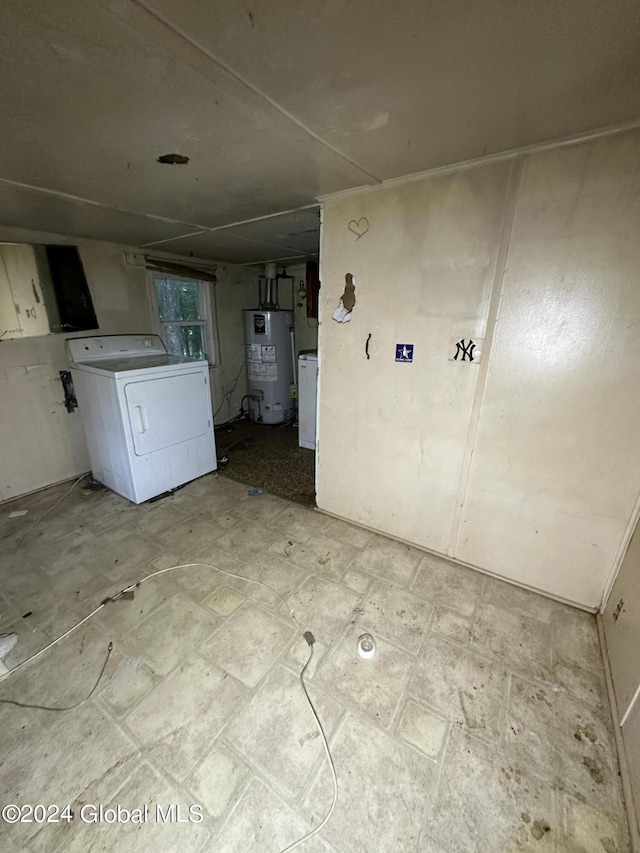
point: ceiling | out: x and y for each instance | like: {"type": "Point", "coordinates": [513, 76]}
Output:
{"type": "Point", "coordinates": [277, 102]}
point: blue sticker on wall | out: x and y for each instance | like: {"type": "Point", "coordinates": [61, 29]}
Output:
{"type": "Point", "coordinates": [404, 352]}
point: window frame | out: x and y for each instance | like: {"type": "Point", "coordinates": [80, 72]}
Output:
{"type": "Point", "coordinates": [207, 319]}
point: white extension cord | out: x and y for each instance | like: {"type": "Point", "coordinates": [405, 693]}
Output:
{"type": "Point", "coordinates": [51, 508]}
{"type": "Point", "coordinates": [308, 637]}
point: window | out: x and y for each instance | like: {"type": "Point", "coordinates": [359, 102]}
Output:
{"type": "Point", "coordinates": [184, 314]}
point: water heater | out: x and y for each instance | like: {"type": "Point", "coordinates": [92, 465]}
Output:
{"type": "Point", "coordinates": [270, 379]}
{"type": "Point", "coordinates": [268, 334]}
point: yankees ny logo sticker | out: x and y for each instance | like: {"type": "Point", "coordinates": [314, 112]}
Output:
{"type": "Point", "coordinates": [464, 351]}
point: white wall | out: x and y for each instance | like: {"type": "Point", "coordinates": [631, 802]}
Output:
{"type": "Point", "coordinates": [526, 464]}
{"type": "Point", "coordinates": [229, 376]}
{"type": "Point", "coordinates": [40, 442]}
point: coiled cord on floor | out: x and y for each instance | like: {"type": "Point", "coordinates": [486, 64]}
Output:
{"type": "Point", "coordinates": [307, 636]}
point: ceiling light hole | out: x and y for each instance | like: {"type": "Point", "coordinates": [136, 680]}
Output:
{"type": "Point", "coordinates": [173, 159]}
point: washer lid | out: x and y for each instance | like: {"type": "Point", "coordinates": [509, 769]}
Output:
{"type": "Point", "coordinates": [98, 347]}
{"type": "Point", "coordinates": [139, 362]}
{"type": "Point", "coordinates": [148, 366]}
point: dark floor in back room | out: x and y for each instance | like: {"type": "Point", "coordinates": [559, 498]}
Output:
{"type": "Point", "coordinates": [268, 457]}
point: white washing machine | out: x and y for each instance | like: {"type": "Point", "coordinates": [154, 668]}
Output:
{"type": "Point", "coordinates": [147, 414]}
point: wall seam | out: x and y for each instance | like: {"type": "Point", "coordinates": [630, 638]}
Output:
{"type": "Point", "coordinates": [506, 232]}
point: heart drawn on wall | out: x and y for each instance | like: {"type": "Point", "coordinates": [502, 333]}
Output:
{"type": "Point", "coordinates": [359, 227]}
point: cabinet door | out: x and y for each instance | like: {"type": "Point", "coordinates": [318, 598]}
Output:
{"type": "Point", "coordinates": [168, 410]}
{"type": "Point", "coordinates": [621, 619]}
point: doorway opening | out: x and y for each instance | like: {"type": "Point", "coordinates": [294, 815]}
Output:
{"type": "Point", "coordinates": [271, 445]}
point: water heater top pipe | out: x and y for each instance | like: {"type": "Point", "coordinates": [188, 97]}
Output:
{"type": "Point", "coordinates": [270, 300]}
{"type": "Point", "coordinates": [271, 278]}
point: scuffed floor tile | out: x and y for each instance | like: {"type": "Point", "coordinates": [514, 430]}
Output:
{"type": "Point", "coordinates": [323, 607]}
{"type": "Point", "coordinates": [130, 682]}
{"type": "Point", "coordinates": [591, 831]}
{"type": "Point", "coordinates": [440, 582]}
{"type": "Point", "coordinates": [462, 685]}
{"type": "Point", "coordinates": [423, 729]}
{"type": "Point", "coordinates": [567, 741]}
{"type": "Point", "coordinates": [248, 644]}
{"type": "Point", "coordinates": [224, 601]}
{"type": "Point", "coordinates": [246, 540]}
{"type": "Point", "coordinates": [396, 614]}
{"type": "Point", "coordinates": [523, 645]}
{"type": "Point", "coordinates": [184, 715]}
{"type": "Point", "coordinates": [195, 534]}
{"type": "Point", "coordinates": [171, 823]}
{"type": "Point", "coordinates": [263, 822]}
{"type": "Point", "coordinates": [374, 686]}
{"type": "Point", "coordinates": [452, 625]}
{"type": "Point", "coordinates": [217, 779]}
{"type": "Point", "coordinates": [52, 767]}
{"type": "Point", "coordinates": [122, 614]}
{"type": "Point", "coordinates": [388, 560]}
{"type": "Point", "coordinates": [518, 600]}
{"type": "Point", "coordinates": [263, 508]}
{"type": "Point", "coordinates": [205, 572]}
{"type": "Point", "coordinates": [277, 733]}
{"type": "Point", "coordinates": [384, 792]}
{"type": "Point", "coordinates": [487, 801]}
{"type": "Point", "coordinates": [587, 685]}
{"type": "Point", "coordinates": [279, 574]}
{"type": "Point", "coordinates": [576, 638]}
{"type": "Point", "coordinates": [300, 523]}
{"type": "Point", "coordinates": [326, 557]}
{"type": "Point", "coordinates": [170, 633]}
